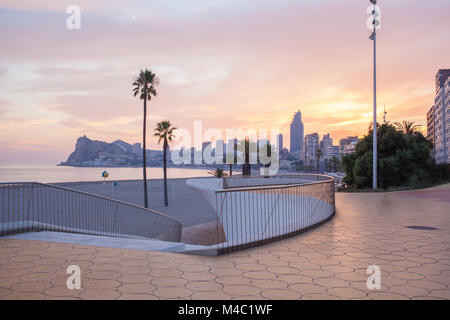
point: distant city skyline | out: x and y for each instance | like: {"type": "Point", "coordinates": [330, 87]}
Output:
{"type": "Point", "coordinates": [232, 64]}
{"type": "Point", "coordinates": [297, 133]}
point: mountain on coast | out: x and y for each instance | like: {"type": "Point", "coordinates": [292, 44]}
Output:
{"type": "Point", "coordinates": [99, 153]}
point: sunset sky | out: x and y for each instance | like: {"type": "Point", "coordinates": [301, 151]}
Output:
{"type": "Point", "coordinates": [233, 64]}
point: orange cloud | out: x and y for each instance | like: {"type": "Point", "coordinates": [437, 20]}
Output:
{"type": "Point", "coordinates": [232, 65]}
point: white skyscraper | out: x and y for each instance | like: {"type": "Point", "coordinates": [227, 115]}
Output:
{"type": "Point", "coordinates": [441, 118]}
{"type": "Point", "coordinates": [311, 146]}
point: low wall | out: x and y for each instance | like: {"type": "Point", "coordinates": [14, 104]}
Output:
{"type": "Point", "coordinates": [254, 214]}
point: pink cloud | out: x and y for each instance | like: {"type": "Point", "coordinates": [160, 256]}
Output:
{"type": "Point", "coordinates": [253, 67]}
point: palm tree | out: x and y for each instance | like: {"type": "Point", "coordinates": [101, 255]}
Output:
{"type": "Point", "coordinates": [335, 162]}
{"type": "Point", "coordinates": [230, 155]}
{"type": "Point", "coordinates": [246, 145]}
{"type": "Point", "coordinates": [218, 173]}
{"type": "Point", "coordinates": [298, 166]}
{"type": "Point", "coordinates": [144, 86]}
{"type": "Point", "coordinates": [267, 149]}
{"type": "Point", "coordinates": [319, 154]}
{"type": "Point", "coordinates": [327, 165]}
{"type": "Point", "coordinates": [164, 131]}
{"type": "Point", "coordinates": [408, 127]}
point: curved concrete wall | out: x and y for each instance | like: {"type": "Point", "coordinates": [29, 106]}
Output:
{"type": "Point", "coordinates": [255, 214]}
{"type": "Point", "coordinates": [207, 187]}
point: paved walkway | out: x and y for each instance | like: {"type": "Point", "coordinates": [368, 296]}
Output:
{"type": "Point", "coordinates": [182, 198]}
{"type": "Point", "coordinates": [328, 262]}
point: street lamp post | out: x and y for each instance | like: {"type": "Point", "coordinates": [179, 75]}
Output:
{"type": "Point", "coordinates": [373, 37]}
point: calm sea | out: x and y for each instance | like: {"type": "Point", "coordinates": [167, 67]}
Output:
{"type": "Point", "coordinates": [51, 173]}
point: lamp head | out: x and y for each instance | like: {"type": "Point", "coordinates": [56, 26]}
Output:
{"type": "Point", "coordinates": [373, 1]}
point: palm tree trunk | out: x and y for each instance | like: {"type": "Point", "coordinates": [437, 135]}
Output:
{"type": "Point", "coordinates": [144, 155]}
{"type": "Point", "coordinates": [246, 169]}
{"type": "Point", "coordinates": [166, 201]}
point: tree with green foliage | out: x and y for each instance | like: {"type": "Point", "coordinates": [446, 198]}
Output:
{"type": "Point", "coordinates": [327, 164]}
{"type": "Point", "coordinates": [335, 164]}
{"type": "Point", "coordinates": [165, 133]}
{"type": "Point", "coordinates": [319, 154]}
{"type": "Point", "coordinates": [144, 86]}
{"type": "Point", "coordinates": [298, 166]}
{"type": "Point", "coordinates": [403, 158]}
{"type": "Point", "coordinates": [218, 173]}
{"type": "Point", "coordinates": [247, 147]}
{"type": "Point", "coordinates": [408, 127]}
{"type": "Point", "coordinates": [232, 156]}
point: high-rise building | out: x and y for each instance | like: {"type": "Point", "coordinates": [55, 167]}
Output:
{"type": "Point", "coordinates": [262, 142]}
{"type": "Point", "coordinates": [441, 125]}
{"type": "Point", "coordinates": [347, 145]}
{"type": "Point", "coordinates": [430, 127]}
{"type": "Point", "coordinates": [231, 146]}
{"type": "Point", "coordinates": [311, 146]}
{"type": "Point", "coordinates": [280, 142]}
{"type": "Point", "coordinates": [232, 143]}
{"type": "Point", "coordinates": [297, 131]}
{"type": "Point", "coordinates": [447, 122]}
{"type": "Point", "coordinates": [220, 147]}
{"type": "Point", "coordinates": [333, 152]}
{"type": "Point", "coordinates": [440, 79]}
{"type": "Point", "coordinates": [206, 144]}
{"type": "Point", "coordinates": [326, 145]}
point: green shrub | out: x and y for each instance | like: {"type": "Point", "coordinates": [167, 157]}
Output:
{"type": "Point", "coordinates": [403, 160]}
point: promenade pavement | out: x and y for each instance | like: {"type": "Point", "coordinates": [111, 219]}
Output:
{"type": "Point", "coordinates": [328, 262]}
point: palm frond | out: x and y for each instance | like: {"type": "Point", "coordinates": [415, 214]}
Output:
{"type": "Point", "coordinates": [218, 173]}
{"type": "Point", "coordinates": [164, 131]}
{"type": "Point", "coordinates": [408, 127]}
{"type": "Point", "coordinates": [145, 81]}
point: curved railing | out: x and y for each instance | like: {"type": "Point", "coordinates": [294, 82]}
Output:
{"type": "Point", "coordinates": [33, 206]}
{"type": "Point", "coordinates": [239, 181]}
{"type": "Point", "coordinates": [256, 210]}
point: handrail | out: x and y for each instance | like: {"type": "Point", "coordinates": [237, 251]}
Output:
{"type": "Point", "coordinates": [279, 175]}
{"type": "Point", "coordinates": [93, 195]}
{"type": "Point", "coordinates": [256, 214]}
{"type": "Point", "coordinates": [31, 206]}
{"type": "Point", "coordinates": [108, 199]}
{"type": "Point", "coordinates": [275, 186]}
